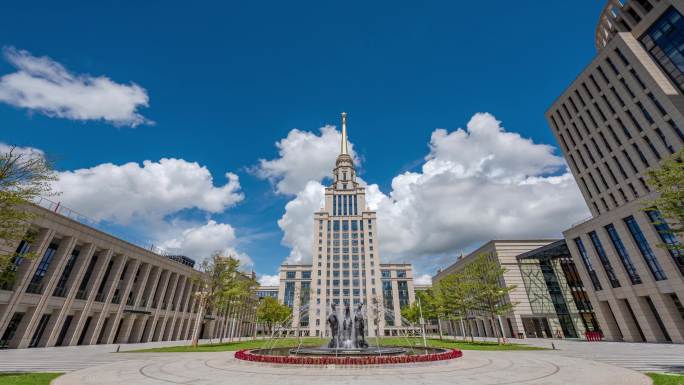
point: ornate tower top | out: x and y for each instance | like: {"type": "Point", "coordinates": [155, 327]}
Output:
{"type": "Point", "coordinates": [343, 150]}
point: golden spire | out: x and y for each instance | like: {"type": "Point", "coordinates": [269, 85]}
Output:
{"type": "Point", "coordinates": [344, 134]}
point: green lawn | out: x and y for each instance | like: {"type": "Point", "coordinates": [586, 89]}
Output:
{"type": "Point", "coordinates": [456, 344]}
{"type": "Point", "coordinates": [231, 346]}
{"type": "Point", "coordinates": [319, 342]}
{"type": "Point", "coordinates": [27, 378]}
{"type": "Point", "coordinates": [666, 379]}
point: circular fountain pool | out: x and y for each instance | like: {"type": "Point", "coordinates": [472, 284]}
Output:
{"type": "Point", "coordinates": [367, 356]}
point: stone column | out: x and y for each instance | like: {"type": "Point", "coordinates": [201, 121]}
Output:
{"type": "Point", "coordinates": [157, 294]}
{"type": "Point", "coordinates": [91, 288]}
{"type": "Point", "coordinates": [33, 317]}
{"type": "Point", "coordinates": [127, 285]}
{"type": "Point", "coordinates": [141, 286]}
{"type": "Point", "coordinates": [110, 288]}
{"type": "Point", "coordinates": [85, 256]}
{"type": "Point", "coordinates": [165, 305]}
{"type": "Point", "coordinates": [175, 307]}
{"type": "Point", "coordinates": [24, 274]}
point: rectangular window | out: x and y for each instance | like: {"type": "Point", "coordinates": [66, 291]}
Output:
{"type": "Point", "coordinates": [669, 238]}
{"type": "Point", "coordinates": [61, 284]}
{"type": "Point", "coordinates": [664, 40]}
{"type": "Point", "coordinates": [35, 286]}
{"type": "Point", "coordinates": [588, 265]}
{"type": "Point", "coordinates": [645, 248]}
{"type": "Point", "coordinates": [622, 253]}
{"type": "Point", "coordinates": [385, 273]}
{"type": "Point", "coordinates": [306, 274]}
{"type": "Point", "coordinates": [600, 251]}
{"type": "Point", "coordinates": [289, 294]}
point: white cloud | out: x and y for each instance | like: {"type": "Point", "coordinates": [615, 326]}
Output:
{"type": "Point", "coordinates": [302, 157]}
{"type": "Point", "coordinates": [297, 222]}
{"type": "Point", "coordinates": [44, 85]}
{"type": "Point", "coordinates": [202, 240]}
{"type": "Point", "coordinates": [476, 184]}
{"type": "Point", "coordinates": [120, 193]}
{"type": "Point", "coordinates": [425, 279]}
{"type": "Point", "coordinates": [24, 151]}
{"type": "Point", "coordinates": [269, 280]}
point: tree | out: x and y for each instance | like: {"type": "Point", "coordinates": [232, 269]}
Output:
{"type": "Point", "coordinates": [456, 293]}
{"type": "Point", "coordinates": [668, 181]}
{"type": "Point", "coordinates": [220, 281]}
{"type": "Point", "coordinates": [272, 313]}
{"type": "Point", "coordinates": [490, 294]}
{"type": "Point", "coordinates": [24, 177]}
{"type": "Point", "coordinates": [426, 302]}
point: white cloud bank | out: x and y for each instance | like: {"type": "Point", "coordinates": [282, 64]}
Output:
{"type": "Point", "coordinates": [269, 280]}
{"type": "Point", "coordinates": [44, 85]}
{"type": "Point", "coordinates": [476, 184]}
{"type": "Point", "coordinates": [146, 198]}
{"type": "Point", "coordinates": [147, 192]}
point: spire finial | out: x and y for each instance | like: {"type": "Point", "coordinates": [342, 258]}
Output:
{"type": "Point", "coordinates": [343, 149]}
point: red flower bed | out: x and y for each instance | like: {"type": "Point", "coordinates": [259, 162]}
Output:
{"type": "Point", "coordinates": [247, 355]}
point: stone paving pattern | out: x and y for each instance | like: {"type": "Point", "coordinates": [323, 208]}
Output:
{"type": "Point", "coordinates": [573, 362]}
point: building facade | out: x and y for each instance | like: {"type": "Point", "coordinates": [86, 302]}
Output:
{"type": "Point", "coordinates": [529, 318]}
{"type": "Point", "coordinates": [620, 117]}
{"type": "Point", "coordinates": [558, 300]}
{"type": "Point", "coordinates": [86, 287]}
{"type": "Point", "coordinates": [267, 291]}
{"type": "Point", "coordinates": [346, 268]}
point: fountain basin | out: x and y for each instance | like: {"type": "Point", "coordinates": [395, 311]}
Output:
{"type": "Point", "coordinates": [369, 351]}
{"type": "Point", "coordinates": [408, 355]}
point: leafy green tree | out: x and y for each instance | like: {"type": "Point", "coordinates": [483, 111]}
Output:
{"type": "Point", "coordinates": [490, 294]}
{"type": "Point", "coordinates": [456, 293]}
{"type": "Point", "coordinates": [220, 282]}
{"type": "Point", "coordinates": [427, 303]}
{"type": "Point", "coordinates": [271, 313]}
{"type": "Point", "coordinates": [24, 177]}
{"type": "Point", "coordinates": [668, 181]}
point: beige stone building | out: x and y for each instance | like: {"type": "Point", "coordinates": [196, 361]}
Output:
{"type": "Point", "coordinates": [346, 268]}
{"type": "Point", "coordinates": [87, 287]}
{"type": "Point", "coordinates": [621, 116]}
{"type": "Point", "coordinates": [544, 293]}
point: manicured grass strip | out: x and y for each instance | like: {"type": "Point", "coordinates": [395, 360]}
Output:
{"type": "Point", "coordinates": [436, 343]}
{"type": "Point", "coordinates": [666, 379]}
{"type": "Point", "coordinates": [27, 378]}
{"type": "Point", "coordinates": [233, 346]}
{"type": "Point", "coordinates": [292, 342]}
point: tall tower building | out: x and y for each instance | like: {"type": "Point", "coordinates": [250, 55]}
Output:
{"type": "Point", "coordinates": [346, 267]}
{"type": "Point", "coordinates": [620, 117]}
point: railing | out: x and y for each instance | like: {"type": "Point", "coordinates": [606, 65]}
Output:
{"type": "Point", "coordinates": [60, 209]}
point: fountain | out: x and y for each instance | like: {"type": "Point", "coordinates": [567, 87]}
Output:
{"type": "Point", "coordinates": [347, 346]}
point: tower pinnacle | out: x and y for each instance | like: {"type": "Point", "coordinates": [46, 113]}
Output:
{"type": "Point", "coordinates": [343, 149]}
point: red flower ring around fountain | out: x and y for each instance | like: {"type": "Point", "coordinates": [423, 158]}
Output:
{"type": "Point", "coordinates": [247, 355]}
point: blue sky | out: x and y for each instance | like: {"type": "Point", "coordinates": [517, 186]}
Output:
{"type": "Point", "coordinates": [227, 80]}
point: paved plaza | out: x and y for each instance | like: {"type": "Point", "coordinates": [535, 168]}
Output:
{"type": "Point", "coordinates": [573, 362]}
{"type": "Point", "coordinates": [475, 367]}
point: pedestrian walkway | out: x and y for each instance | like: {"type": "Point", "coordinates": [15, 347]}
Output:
{"type": "Point", "coordinates": [642, 357]}
{"type": "Point", "coordinates": [70, 358]}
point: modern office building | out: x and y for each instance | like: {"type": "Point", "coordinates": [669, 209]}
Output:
{"type": "Point", "coordinates": [87, 287]}
{"type": "Point", "coordinates": [267, 291]}
{"type": "Point", "coordinates": [545, 304]}
{"type": "Point", "coordinates": [346, 268]}
{"type": "Point", "coordinates": [556, 294]}
{"type": "Point", "coordinates": [618, 119]}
